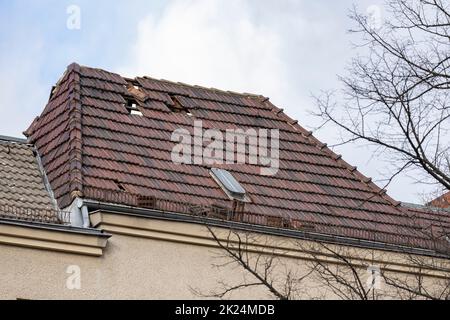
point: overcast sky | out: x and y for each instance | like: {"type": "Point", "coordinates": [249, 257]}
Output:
{"type": "Point", "coordinates": [286, 50]}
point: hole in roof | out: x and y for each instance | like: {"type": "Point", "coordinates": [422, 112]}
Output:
{"type": "Point", "coordinates": [229, 185]}
{"type": "Point", "coordinates": [177, 107]}
{"type": "Point", "coordinates": [119, 185]}
{"type": "Point", "coordinates": [135, 91]}
{"type": "Point", "coordinates": [131, 104]}
{"type": "Point", "coordinates": [133, 107]}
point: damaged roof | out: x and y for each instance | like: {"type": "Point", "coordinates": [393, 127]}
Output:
{"type": "Point", "coordinates": [92, 147]}
{"type": "Point", "coordinates": [23, 194]}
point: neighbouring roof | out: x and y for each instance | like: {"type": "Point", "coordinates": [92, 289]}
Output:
{"type": "Point", "coordinates": [92, 147]}
{"type": "Point", "coordinates": [23, 194]}
{"type": "Point", "coordinates": [442, 201]}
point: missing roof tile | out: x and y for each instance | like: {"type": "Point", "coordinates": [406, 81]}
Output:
{"type": "Point", "coordinates": [133, 107]}
{"type": "Point", "coordinates": [134, 90]}
{"type": "Point", "coordinates": [177, 107]}
{"type": "Point", "coordinates": [119, 185]}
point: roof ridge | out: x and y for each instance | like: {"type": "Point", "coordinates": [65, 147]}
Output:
{"type": "Point", "coordinates": [82, 66]}
{"type": "Point", "coordinates": [75, 133]}
{"type": "Point", "coordinates": [229, 92]}
{"type": "Point", "coordinates": [70, 83]}
{"type": "Point", "coordinates": [179, 83]}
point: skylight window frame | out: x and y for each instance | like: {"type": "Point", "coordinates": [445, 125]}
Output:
{"type": "Point", "coordinates": [229, 185]}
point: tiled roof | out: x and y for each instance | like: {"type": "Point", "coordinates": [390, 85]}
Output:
{"type": "Point", "coordinates": [92, 147]}
{"type": "Point", "coordinates": [442, 201]}
{"type": "Point", "coordinates": [23, 194]}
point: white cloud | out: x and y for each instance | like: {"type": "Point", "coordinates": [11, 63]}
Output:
{"type": "Point", "coordinates": [211, 43]}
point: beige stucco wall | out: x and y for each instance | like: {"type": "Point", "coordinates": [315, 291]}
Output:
{"type": "Point", "coordinates": [157, 262]}
{"type": "Point", "coordinates": [131, 268]}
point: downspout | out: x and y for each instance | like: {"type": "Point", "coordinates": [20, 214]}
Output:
{"type": "Point", "coordinates": [83, 212]}
{"type": "Point", "coordinates": [79, 214]}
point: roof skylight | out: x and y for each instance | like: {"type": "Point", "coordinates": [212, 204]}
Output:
{"type": "Point", "coordinates": [229, 184]}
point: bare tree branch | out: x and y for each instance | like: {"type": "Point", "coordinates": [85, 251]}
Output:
{"type": "Point", "coordinates": [397, 97]}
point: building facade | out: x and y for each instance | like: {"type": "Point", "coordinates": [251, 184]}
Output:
{"type": "Point", "coordinates": [104, 200]}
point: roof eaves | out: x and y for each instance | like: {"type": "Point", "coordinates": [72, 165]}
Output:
{"type": "Point", "coordinates": [300, 234]}
{"type": "Point", "coordinates": [55, 227]}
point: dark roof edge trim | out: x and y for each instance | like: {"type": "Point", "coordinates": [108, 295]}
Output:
{"type": "Point", "coordinates": [173, 216]}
